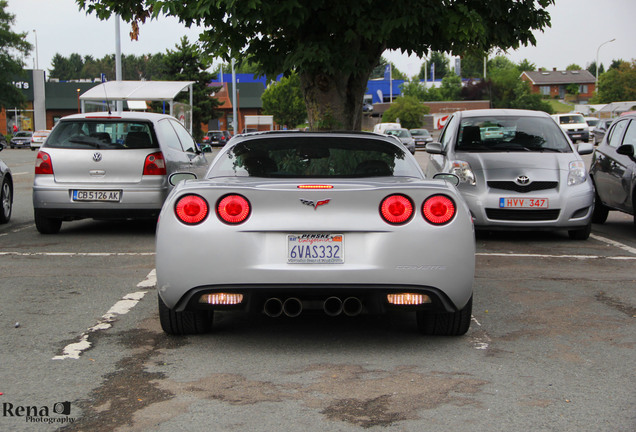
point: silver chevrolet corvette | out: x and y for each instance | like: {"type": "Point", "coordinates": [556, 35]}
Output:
{"type": "Point", "coordinates": [340, 223]}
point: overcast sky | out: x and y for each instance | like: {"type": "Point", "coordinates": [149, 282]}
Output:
{"type": "Point", "coordinates": [579, 27]}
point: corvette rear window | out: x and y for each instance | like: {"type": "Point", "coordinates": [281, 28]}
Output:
{"type": "Point", "coordinates": [315, 156]}
{"type": "Point", "coordinates": [102, 134]}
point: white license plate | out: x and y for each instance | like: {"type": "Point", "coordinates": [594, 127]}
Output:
{"type": "Point", "coordinates": [315, 248]}
{"type": "Point", "coordinates": [92, 195]}
{"type": "Point", "coordinates": [523, 203]}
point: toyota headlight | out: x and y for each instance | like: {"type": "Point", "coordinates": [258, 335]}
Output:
{"type": "Point", "coordinates": [462, 170]}
{"type": "Point", "coordinates": [577, 174]}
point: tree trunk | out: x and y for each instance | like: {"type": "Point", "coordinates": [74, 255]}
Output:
{"type": "Point", "coordinates": [334, 102]}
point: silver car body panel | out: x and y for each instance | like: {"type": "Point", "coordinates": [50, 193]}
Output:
{"type": "Point", "coordinates": [214, 255]}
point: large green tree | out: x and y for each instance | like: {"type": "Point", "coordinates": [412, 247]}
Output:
{"type": "Point", "coordinates": [331, 44]}
{"type": "Point", "coordinates": [12, 47]}
{"type": "Point", "coordinates": [284, 100]}
{"type": "Point", "coordinates": [617, 84]}
{"type": "Point", "coordinates": [409, 110]}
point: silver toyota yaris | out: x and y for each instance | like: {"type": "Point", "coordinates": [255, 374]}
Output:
{"type": "Point", "coordinates": [342, 223]}
{"type": "Point", "coordinates": [518, 171]}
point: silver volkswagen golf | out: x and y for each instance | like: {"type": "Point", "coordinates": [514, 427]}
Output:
{"type": "Point", "coordinates": [110, 166]}
{"type": "Point", "coordinates": [518, 170]}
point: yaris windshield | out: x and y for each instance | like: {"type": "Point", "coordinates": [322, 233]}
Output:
{"type": "Point", "coordinates": [511, 134]}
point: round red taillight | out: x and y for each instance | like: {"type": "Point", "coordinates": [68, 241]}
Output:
{"type": "Point", "coordinates": [233, 209]}
{"type": "Point", "coordinates": [191, 209]}
{"type": "Point", "coordinates": [396, 209]}
{"type": "Point", "coordinates": [438, 209]}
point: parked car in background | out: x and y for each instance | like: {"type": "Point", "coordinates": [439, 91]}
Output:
{"type": "Point", "coordinates": [421, 137]}
{"type": "Point", "coordinates": [574, 125]}
{"type": "Point", "coordinates": [613, 170]}
{"type": "Point", "coordinates": [404, 136]}
{"type": "Point", "coordinates": [534, 179]}
{"type": "Point", "coordinates": [38, 138]}
{"type": "Point", "coordinates": [6, 192]}
{"type": "Point", "coordinates": [227, 135]}
{"type": "Point", "coordinates": [3, 142]}
{"type": "Point", "coordinates": [215, 138]}
{"type": "Point", "coordinates": [382, 127]}
{"type": "Point", "coordinates": [315, 221]}
{"type": "Point", "coordinates": [110, 166]}
{"type": "Point", "coordinates": [600, 129]}
{"type": "Point", "coordinates": [591, 124]}
{"type": "Point", "coordinates": [21, 139]}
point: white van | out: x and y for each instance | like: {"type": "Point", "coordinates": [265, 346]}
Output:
{"type": "Point", "coordinates": [574, 125]}
{"type": "Point", "coordinates": [380, 128]}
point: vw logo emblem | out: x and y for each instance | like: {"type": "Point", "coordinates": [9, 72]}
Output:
{"type": "Point", "coordinates": [97, 156]}
{"type": "Point", "coordinates": [523, 180]}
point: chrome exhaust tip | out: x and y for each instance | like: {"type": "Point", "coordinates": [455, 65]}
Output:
{"type": "Point", "coordinates": [332, 306]}
{"type": "Point", "coordinates": [352, 306]}
{"type": "Point", "coordinates": [292, 307]}
{"type": "Point", "coordinates": [273, 307]}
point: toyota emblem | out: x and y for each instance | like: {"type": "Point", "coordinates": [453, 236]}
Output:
{"type": "Point", "coordinates": [523, 180]}
{"type": "Point", "coordinates": [97, 156]}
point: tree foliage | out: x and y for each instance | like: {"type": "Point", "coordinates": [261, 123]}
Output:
{"type": "Point", "coordinates": [409, 110]}
{"type": "Point", "coordinates": [617, 84]}
{"type": "Point", "coordinates": [12, 47]}
{"type": "Point", "coordinates": [332, 45]}
{"type": "Point", "coordinates": [284, 100]}
{"type": "Point", "coordinates": [378, 71]}
{"type": "Point", "coordinates": [442, 66]}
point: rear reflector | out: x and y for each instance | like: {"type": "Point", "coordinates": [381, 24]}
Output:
{"type": "Point", "coordinates": [43, 164]}
{"type": "Point", "coordinates": [221, 299]}
{"type": "Point", "coordinates": [191, 209]}
{"type": "Point", "coordinates": [406, 299]}
{"type": "Point", "coordinates": [396, 209]}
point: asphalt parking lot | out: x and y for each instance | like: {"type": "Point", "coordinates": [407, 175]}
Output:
{"type": "Point", "coordinates": [551, 345]}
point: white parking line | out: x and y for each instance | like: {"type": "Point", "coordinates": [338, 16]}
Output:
{"type": "Point", "coordinates": [566, 256]}
{"type": "Point", "coordinates": [122, 307]}
{"type": "Point", "coordinates": [72, 254]}
{"type": "Point", "coordinates": [614, 243]}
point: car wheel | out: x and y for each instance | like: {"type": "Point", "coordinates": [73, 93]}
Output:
{"type": "Point", "coordinates": [47, 225]}
{"type": "Point", "coordinates": [581, 234]}
{"type": "Point", "coordinates": [445, 323]}
{"type": "Point", "coordinates": [186, 322]}
{"type": "Point", "coordinates": [6, 202]}
{"type": "Point", "coordinates": [601, 211]}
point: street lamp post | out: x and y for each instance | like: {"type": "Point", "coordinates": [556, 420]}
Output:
{"type": "Point", "coordinates": [37, 63]}
{"type": "Point", "coordinates": [597, 50]}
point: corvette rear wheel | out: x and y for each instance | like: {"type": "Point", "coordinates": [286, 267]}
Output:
{"type": "Point", "coordinates": [186, 322]}
{"type": "Point", "coordinates": [446, 323]}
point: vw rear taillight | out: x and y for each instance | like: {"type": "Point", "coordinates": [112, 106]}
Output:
{"type": "Point", "coordinates": [191, 209]}
{"type": "Point", "coordinates": [155, 164]}
{"type": "Point", "coordinates": [396, 209]}
{"type": "Point", "coordinates": [233, 209]}
{"type": "Point", "coordinates": [43, 164]}
{"type": "Point", "coordinates": [438, 209]}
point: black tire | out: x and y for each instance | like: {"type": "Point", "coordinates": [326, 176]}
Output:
{"type": "Point", "coordinates": [445, 323]}
{"type": "Point", "coordinates": [186, 322]}
{"type": "Point", "coordinates": [6, 201]}
{"type": "Point", "coordinates": [601, 211]}
{"type": "Point", "coordinates": [47, 225]}
{"type": "Point", "coordinates": [582, 233]}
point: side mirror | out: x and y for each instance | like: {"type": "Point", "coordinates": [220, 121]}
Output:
{"type": "Point", "coordinates": [627, 150]}
{"type": "Point", "coordinates": [585, 148]}
{"type": "Point", "coordinates": [451, 178]}
{"type": "Point", "coordinates": [434, 148]}
{"type": "Point", "coordinates": [178, 177]}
